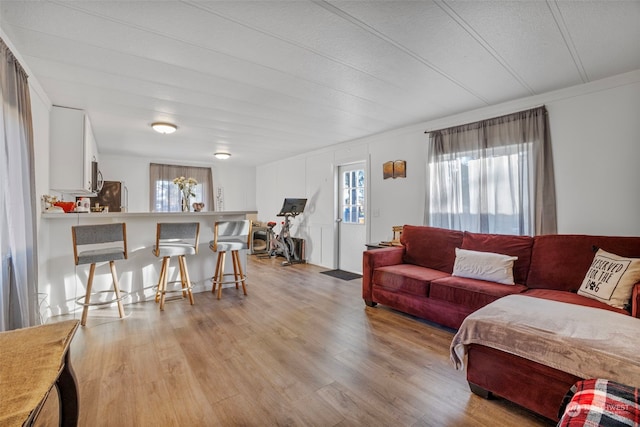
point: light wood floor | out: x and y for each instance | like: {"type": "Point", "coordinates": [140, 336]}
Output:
{"type": "Point", "coordinates": [300, 350]}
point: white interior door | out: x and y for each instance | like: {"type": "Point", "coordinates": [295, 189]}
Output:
{"type": "Point", "coordinates": [351, 217]}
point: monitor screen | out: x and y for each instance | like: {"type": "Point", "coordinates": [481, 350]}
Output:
{"type": "Point", "coordinates": [292, 207]}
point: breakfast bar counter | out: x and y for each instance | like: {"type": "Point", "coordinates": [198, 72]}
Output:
{"type": "Point", "coordinates": [163, 215]}
{"type": "Point", "coordinates": [62, 282]}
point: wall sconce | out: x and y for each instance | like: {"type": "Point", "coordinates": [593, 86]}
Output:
{"type": "Point", "coordinates": [164, 128]}
{"type": "Point", "coordinates": [222, 156]}
{"type": "Point", "coordinates": [394, 169]}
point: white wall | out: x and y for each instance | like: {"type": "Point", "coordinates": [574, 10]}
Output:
{"type": "Point", "coordinates": [317, 224]}
{"type": "Point", "coordinates": [40, 109]}
{"type": "Point", "coordinates": [239, 185]}
{"type": "Point", "coordinates": [595, 135]}
{"type": "Point", "coordinates": [596, 145]}
{"type": "Point", "coordinates": [238, 182]}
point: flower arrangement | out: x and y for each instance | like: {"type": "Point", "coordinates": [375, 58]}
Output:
{"type": "Point", "coordinates": [186, 186]}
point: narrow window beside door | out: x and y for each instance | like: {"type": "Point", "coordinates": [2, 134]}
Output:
{"type": "Point", "coordinates": [353, 196]}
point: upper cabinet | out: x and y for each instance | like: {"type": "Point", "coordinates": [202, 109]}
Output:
{"type": "Point", "coordinates": [72, 151]}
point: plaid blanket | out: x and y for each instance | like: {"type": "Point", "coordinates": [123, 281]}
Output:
{"type": "Point", "coordinates": [599, 402]}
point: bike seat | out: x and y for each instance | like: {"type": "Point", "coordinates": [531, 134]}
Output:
{"type": "Point", "coordinates": [271, 224]}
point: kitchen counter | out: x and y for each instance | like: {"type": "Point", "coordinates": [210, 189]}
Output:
{"type": "Point", "coordinates": [63, 282]}
{"type": "Point", "coordinates": [108, 215]}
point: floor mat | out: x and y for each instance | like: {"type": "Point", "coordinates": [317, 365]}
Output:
{"type": "Point", "coordinates": [341, 274]}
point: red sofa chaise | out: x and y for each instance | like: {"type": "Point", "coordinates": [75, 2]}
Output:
{"type": "Point", "coordinates": [417, 279]}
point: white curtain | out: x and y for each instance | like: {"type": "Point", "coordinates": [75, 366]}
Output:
{"type": "Point", "coordinates": [18, 248]}
{"type": "Point", "coordinates": [493, 176]}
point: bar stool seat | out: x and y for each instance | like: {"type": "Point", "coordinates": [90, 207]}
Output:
{"type": "Point", "coordinates": [230, 236]}
{"type": "Point", "coordinates": [100, 255]}
{"type": "Point", "coordinates": [94, 244]}
{"type": "Point", "coordinates": [176, 249]}
{"type": "Point", "coordinates": [175, 240]}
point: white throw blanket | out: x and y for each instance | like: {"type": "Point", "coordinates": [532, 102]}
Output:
{"type": "Point", "coordinates": [584, 341]}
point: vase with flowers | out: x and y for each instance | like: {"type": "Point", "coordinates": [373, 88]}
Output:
{"type": "Point", "coordinates": [186, 186]}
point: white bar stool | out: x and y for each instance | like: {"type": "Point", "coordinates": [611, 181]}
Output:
{"type": "Point", "coordinates": [93, 244]}
{"type": "Point", "coordinates": [230, 236]}
{"type": "Point", "coordinates": [175, 239]}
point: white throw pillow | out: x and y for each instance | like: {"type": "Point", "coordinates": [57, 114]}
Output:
{"type": "Point", "coordinates": [610, 279]}
{"type": "Point", "coordinates": [484, 266]}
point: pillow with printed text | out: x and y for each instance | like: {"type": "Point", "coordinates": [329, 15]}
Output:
{"type": "Point", "coordinates": [610, 279]}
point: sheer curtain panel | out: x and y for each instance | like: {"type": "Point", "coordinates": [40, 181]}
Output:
{"type": "Point", "coordinates": [164, 195]}
{"type": "Point", "coordinates": [493, 176]}
{"type": "Point", "coordinates": [18, 248]}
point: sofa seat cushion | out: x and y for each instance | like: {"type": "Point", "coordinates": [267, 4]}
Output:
{"type": "Point", "coordinates": [571, 298]}
{"type": "Point", "coordinates": [408, 278]}
{"type": "Point", "coordinates": [471, 293]}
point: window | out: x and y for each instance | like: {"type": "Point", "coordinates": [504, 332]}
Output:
{"type": "Point", "coordinates": [169, 198]}
{"type": "Point", "coordinates": [488, 194]}
{"type": "Point", "coordinates": [164, 194]}
{"type": "Point", "coordinates": [353, 196]}
{"type": "Point", "coordinates": [493, 176]}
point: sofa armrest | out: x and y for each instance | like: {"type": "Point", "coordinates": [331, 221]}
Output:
{"type": "Point", "coordinates": [635, 301]}
{"type": "Point", "coordinates": [377, 258]}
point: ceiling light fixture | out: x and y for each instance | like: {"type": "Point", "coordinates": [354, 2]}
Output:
{"type": "Point", "coordinates": [222, 156]}
{"type": "Point", "coordinates": [164, 128]}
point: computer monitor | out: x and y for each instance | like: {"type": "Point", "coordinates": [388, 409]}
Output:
{"type": "Point", "coordinates": [292, 207]}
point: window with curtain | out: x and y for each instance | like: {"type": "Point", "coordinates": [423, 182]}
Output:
{"type": "Point", "coordinates": [165, 196]}
{"type": "Point", "coordinates": [493, 176]}
{"type": "Point", "coordinates": [18, 245]}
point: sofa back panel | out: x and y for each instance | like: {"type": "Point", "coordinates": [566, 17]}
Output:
{"type": "Point", "coordinates": [560, 261]}
{"type": "Point", "coordinates": [430, 247]}
{"type": "Point", "coordinates": [519, 246]}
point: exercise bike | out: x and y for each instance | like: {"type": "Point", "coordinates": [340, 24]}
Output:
{"type": "Point", "coordinates": [282, 243]}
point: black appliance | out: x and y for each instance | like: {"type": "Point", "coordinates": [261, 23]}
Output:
{"type": "Point", "coordinates": [110, 196]}
{"type": "Point", "coordinates": [96, 178]}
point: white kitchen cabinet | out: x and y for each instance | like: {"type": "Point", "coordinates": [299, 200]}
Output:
{"type": "Point", "coordinates": [72, 149]}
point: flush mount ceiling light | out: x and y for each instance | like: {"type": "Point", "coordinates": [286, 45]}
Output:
{"type": "Point", "coordinates": [163, 127]}
{"type": "Point", "coordinates": [222, 156]}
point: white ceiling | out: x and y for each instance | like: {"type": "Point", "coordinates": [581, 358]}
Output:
{"type": "Point", "coordinates": [269, 79]}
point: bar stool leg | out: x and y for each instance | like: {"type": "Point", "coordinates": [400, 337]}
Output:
{"type": "Point", "coordinates": [214, 281]}
{"type": "Point", "coordinates": [183, 282]}
{"type": "Point", "coordinates": [163, 293]}
{"type": "Point", "coordinates": [186, 280]}
{"type": "Point", "coordinates": [222, 257]}
{"type": "Point", "coordinates": [240, 275]}
{"type": "Point", "coordinates": [160, 280]}
{"type": "Point", "coordinates": [116, 287]}
{"type": "Point", "coordinates": [87, 298]}
{"type": "Point", "coordinates": [236, 276]}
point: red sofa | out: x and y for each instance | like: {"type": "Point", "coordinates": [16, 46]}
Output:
{"type": "Point", "coordinates": [416, 279]}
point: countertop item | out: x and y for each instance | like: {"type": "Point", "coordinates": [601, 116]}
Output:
{"type": "Point", "coordinates": [54, 210]}
{"type": "Point", "coordinates": [66, 206]}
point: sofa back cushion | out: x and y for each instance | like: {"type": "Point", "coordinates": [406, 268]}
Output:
{"type": "Point", "coordinates": [518, 246]}
{"type": "Point", "coordinates": [561, 261]}
{"type": "Point", "coordinates": [430, 247]}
